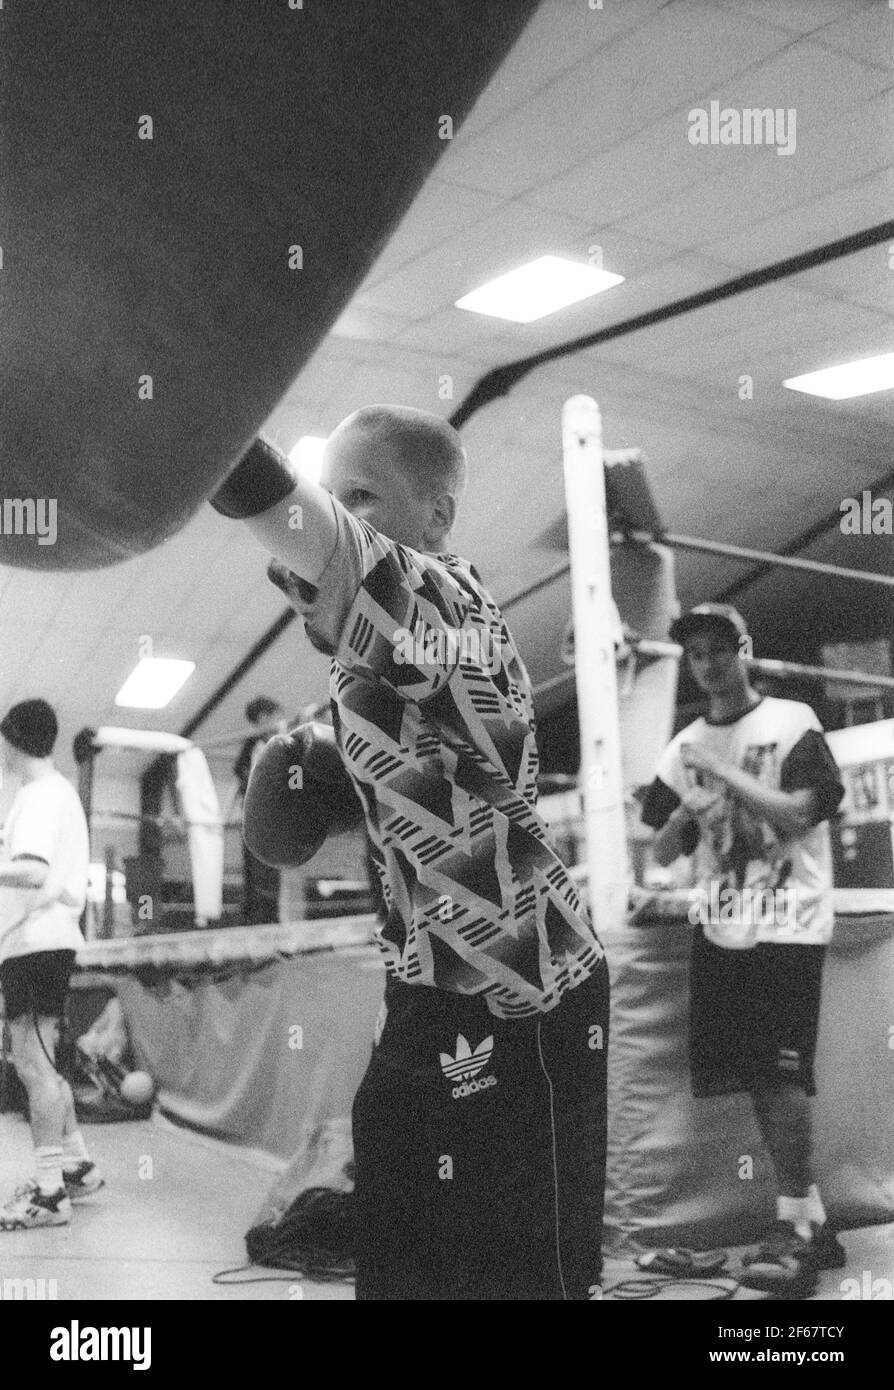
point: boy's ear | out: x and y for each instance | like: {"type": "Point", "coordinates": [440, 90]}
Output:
{"type": "Point", "coordinates": [443, 515]}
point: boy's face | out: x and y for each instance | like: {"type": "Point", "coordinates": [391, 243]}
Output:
{"type": "Point", "coordinates": [272, 716]}
{"type": "Point", "coordinates": [368, 479]}
{"type": "Point", "coordinates": [9, 758]}
{"type": "Point", "coordinates": [714, 661]}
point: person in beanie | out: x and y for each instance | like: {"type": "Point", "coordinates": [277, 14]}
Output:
{"type": "Point", "coordinates": [43, 888]}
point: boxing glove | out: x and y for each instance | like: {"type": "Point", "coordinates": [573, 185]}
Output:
{"type": "Point", "coordinates": [260, 479]}
{"type": "Point", "coordinates": [298, 794]}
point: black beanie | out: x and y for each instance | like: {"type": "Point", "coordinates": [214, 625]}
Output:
{"type": "Point", "coordinates": [31, 727]}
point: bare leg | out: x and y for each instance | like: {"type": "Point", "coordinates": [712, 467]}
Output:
{"type": "Point", "coordinates": [784, 1118]}
{"type": "Point", "coordinates": [70, 1122]}
{"type": "Point", "coordinates": [46, 1097]}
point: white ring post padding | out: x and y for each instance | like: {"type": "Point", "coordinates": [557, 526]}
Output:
{"type": "Point", "coordinates": [595, 619]}
{"type": "Point", "coordinates": [201, 811]}
{"type": "Point", "coordinates": [141, 740]}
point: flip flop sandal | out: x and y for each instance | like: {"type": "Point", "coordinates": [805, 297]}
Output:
{"type": "Point", "coordinates": [682, 1263]}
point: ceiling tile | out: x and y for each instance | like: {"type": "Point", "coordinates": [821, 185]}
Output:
{"type": "Point", "coordinates": [630, 84]}
{"type": "Point", "coordinates": [800, 16]}
{"type": "Point", "coordinates": [634, 174]}
{"type": "Point", "coordinates": [441, 211]}
{"type": "Point", "coordinates": [868, 35]}
{"type": "Point", "coordinates": [562, 34]}
{"type": "Point", "coordinates": [516, 233]}
{"type": "Point", "coordinates": [832, 216]}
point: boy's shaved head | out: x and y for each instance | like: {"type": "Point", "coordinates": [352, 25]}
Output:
{"type": "Point", "coordinates": [427, 448]}
{"type": "Point", "coordinates": [401, 470]}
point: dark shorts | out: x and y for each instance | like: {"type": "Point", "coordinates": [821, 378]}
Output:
{"type": "Point", "coordinates": [37, 983]}
{"type": "Point", "coordinates": [479, 1149]}
{"type": "Point", "coordinates": [754, 1016]}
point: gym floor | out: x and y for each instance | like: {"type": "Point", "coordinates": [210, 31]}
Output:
{"type": "Point", "coordinates": [159, 1236]}
{"type": "Point", "coordinates": [162, 1228]}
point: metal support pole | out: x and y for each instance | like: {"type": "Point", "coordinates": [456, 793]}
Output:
{"type": "Point", "coordinates": [108, 909]}
{"type": "Point", "coordinates": [766, 557]}
{"type": "Point", "coordinates": [597, 694]}
{"type": "Point", "coordinates": [763, 664]}
{"type": "Point", "coordinates": [85, 757]}
{"type": "Point", "coordinates": [730, 552]}
{"type": "Point", "coordinates": [769, 667]}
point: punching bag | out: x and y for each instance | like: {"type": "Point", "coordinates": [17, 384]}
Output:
{"type": "Point", "coordinates": [192, 193]}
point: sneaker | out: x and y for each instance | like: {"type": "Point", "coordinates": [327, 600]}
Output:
{"type": "Point", "coordinates": [786, 1264]}
{"type": "Point", "coordinates": [82, 1181]}
{"type": "Point", "coordinates": [826, 1250]}
{"type": "Point", "coordinates": [29, 1207]}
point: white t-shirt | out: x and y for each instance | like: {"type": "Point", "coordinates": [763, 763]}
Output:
{"type": "Point", "coordinates": [46, 822]}
{"type": "Point", "coordinates": [754, 883]}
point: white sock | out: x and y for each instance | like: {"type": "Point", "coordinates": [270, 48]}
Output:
{"type": "Point", "coordinates": [815, 1209]}
{"type": "Point", "coordinates": [49, 1169]}
{"type": "Point", "coordinates": [74, 1150]}
{"type": "Point", "coordinates": [798, 1212]}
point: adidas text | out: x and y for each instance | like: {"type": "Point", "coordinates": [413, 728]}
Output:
{"type": "Point", "coordinates": [468, 1088]}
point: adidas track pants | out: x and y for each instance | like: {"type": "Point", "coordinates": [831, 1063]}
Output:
{"type": "Point", "coordinates": [479, 1148]}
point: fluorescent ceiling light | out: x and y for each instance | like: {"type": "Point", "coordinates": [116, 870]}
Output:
{"type": "Point", "coordinates": [307, 456]}
{"type": "Point", "coordinates": [154, 682]}
{"type": "Point", "coordinates": [851, 379]}
{"type": "Point", "coordinates": [537, 289]}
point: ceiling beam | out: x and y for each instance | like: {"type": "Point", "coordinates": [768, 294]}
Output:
{"type": "Point", "coordinates": [499, 381]}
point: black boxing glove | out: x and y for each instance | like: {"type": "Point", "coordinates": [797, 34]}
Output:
{"type": "Point", "coordinates": [298, 794]}
{"type": "Point", "coordinates": [260, 479]}
{"type": "Point", "coordinates": [83, 746]}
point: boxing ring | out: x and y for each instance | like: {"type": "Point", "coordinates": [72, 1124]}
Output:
{"type": "Point", "coordinates": [260, 1039]}
{"type": "Point", "coordinates": [685, 1171]}
{"type": "Point", "coordinates": [253, 1035]}
{"type": "Point", "coordinates": [695, 1173]}
{"type": "Point", "coordinates": [260, 1036]}
{"type": "Point", "coordinates": [197, 802]}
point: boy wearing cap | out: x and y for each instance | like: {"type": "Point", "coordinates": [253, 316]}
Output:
{"type": "Point", "coordinates": [43, 889]}
{"type": "Point", "coordinates": [748, 790]}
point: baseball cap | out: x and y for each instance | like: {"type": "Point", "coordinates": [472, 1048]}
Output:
{"type": "Point", "coordinates": [706, 616]}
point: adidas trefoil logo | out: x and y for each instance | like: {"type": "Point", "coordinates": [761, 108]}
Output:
{"type": "Point", "coordinates": [467, 1064]}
